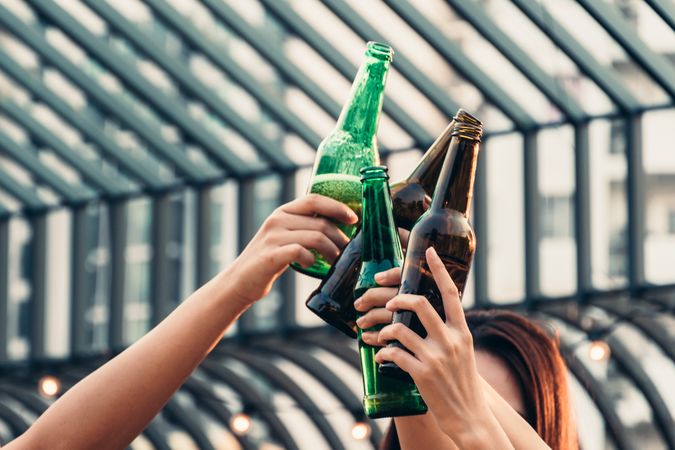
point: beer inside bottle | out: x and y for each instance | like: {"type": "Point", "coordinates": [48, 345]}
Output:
{"type": "Point", "coordinates": [445, 226]}
{"type": "Point", "coordinates": [384, 396]}
{"type": "Point", "coordinates": [332, 300]}
{"type": "Point", "coordinates": [352, 145]}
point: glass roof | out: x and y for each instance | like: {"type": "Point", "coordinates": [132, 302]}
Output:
{"type": "Point", "coordinates": [154, 94]}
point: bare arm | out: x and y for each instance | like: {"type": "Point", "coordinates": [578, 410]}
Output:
{"type": "Point", "coordinates": [520, 433]}
{"type": "Point", "coordinates": [110, 407]}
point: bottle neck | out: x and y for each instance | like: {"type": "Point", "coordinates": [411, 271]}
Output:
{"type": "Point", "coordinates": [361, 113]}
{"type": "Point", "coordinates": [379, 234]}
{"type": "Point", "coordinates": [454, 189]}
{"type": "Point", "coordinates": [429, 167]}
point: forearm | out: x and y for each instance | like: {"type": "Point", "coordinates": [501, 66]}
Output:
{"type": "Point", "coordinates": [519, 432]}
{"type": "Point", "coordinates": [111, 406]}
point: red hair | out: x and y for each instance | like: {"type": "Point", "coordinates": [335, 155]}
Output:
{"type": "Point", "coordinates": [535, 361]}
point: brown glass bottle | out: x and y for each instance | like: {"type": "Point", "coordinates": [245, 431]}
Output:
{"type": "Point", "coordinates": [333, 300]}
{"type": "Point", "coordinates": [445, 226]}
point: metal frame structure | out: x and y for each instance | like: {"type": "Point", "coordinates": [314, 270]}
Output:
{"type": "Point", "coordinates": [109, 174]}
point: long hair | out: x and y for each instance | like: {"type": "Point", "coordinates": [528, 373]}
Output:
{"type": "Point", "coordinates": [534, 359]}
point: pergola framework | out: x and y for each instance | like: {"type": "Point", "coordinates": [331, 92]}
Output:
{"type": "Point", "coordinates": [195, 158]}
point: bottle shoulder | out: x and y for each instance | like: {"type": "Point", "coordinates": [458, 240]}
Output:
{"type": "Point", "coordinates": [444, 221]}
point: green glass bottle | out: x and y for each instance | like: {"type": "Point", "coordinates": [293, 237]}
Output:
{"type": "Point", "coordinates": [445, 226]}
{"type": "Point", "coordinates": [352, 145]}
{"type": "Point", "coordinates": [384, 396]}
{"type": "Point", "coordinates": [332, 300]}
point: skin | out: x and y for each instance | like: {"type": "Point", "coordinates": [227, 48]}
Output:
{"type": "Point", "coordinates": [474, 401]}
{"type": "Point", "coordinates": [111, 406]}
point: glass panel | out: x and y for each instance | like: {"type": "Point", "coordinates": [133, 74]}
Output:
{"type": "Point", "coordinates": [557, 250]}
{"type": "Point", "coordinates": [659, 165]}
{"type": "Point", "coordinates": [608, 203]}
{"type": "Point", "coordinates": [97, 274]}
{"type": "Point", "coordinates": [604, 49]}
{"type": "Point", "coordinates": [550, 58]}
{"type": "Point", "coordinates": [650, 27]}
{"type": "Point", "coordinates": [505, 222]}
{"type": "Point", "coordinates": [138, 258]}
{"type": "Point", "coordinates": [57, 281]}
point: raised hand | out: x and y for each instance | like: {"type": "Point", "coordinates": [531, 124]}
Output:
{"type": "Point", "coordinates": [443, 365]}
{"type": "Point", "coordinates": [285, 237]}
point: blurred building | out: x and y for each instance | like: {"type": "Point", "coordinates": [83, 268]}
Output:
{"type": "Point", "coordinates": [142, 143]}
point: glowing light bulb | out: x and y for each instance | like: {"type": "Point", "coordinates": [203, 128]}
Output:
{"type": "Point", "coordinates": [241, 423]}
{"type": "Point", "coordinates": [361, 431]}
{"type": "Point", "coordinates": [599, 351]}
{"type": "Point", "coordinates": [49, 386]}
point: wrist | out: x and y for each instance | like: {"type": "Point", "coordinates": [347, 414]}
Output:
{"type": "Point", "coordinates": [479, 434]}
{"type": "Point", "coordinates": [228, 293]}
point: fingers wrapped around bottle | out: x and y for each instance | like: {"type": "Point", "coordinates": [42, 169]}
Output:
{"type": "Point", "coordinates": [446, 344]}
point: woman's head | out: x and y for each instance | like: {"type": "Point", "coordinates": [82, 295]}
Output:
{"type": "Point", "coordinates": [523, 363]}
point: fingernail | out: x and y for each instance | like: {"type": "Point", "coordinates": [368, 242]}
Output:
{"type": "Point", "coordinates": [379, 276]}
{"type": "Point", "coordinates": [357, 303]}
{"type": "Point", "coordinates": [359, 322]}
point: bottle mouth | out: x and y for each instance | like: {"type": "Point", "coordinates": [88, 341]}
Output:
{"type": "Point", "coordinates": [368, 173]}
{"type": "Point", "coordinates": [468, 126]}
{"type": "Point", "coordinates": [380, 51]}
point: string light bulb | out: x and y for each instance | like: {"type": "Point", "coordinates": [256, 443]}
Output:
{"type": "Point", "coordinates": [241, 424]}
{"type": "Point", "coordinates": [599, 351]}
{"type": "Point", "coordinates": [49, 386]}
{"type": "Point", "coordinates": [361, 431]}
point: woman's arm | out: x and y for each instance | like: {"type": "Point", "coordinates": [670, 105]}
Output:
{"type": "Point", "coordinates": [520, 433]}
{"type": "Point", "coordinates": [110, 407]}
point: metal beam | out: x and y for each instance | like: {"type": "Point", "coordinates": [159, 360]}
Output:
{"type": "Point", "coordinates": [657, 66]}
{"type": "Point", "coordinates": [189, 83]}
{"type": "Point", "coordinates": [480, 226]}
{"type": "Point", "coordinates": [287, 281]}
{"type": "Point", "coordinates": [633, 370]}
{"type": "Point", "coordinates": [582, 209]}
{"type": "Point", "coordinates": [251, 398]}
{"type": "Point", "coordinates": [125, 68]}
{"type": "Point", "coordinates": [635, 194]}
{"type": "Point", "coordinates": [89, 172]}
{"type": "Point", "coordinates": [26, 156]}
{"type": "Point", "coordinates": [117, 212]}
{"type": "Point", "coordinates": [460, 62]}
{"type": "Point", "coordinates": [137, 167]}
{"type": "Point", "coordinates": [549, 86]}
{"type": "Point", "coordinates": [327, 51]}
{"type": "Point", "coordinates": [4, 285]}
{"type": "Point", "coordinates": [160, 289]}
{"type": "Point", "coordinates": [275, 56]}
{"type": "Point", "coordinates": [436, 94]}
{"type": "Point", "coordinates": [38, 282]}
{"type": "Point", "coordinates": [220, 57]}
{"type": "Point", "coordinates": [180, 417]}
{"type": "Point", "coordinates": [110, 103]}
{"type": "Point", "coordinates": [326, 377]}
{"type": "Point", "coordinates": [205, 396]}
{"type": "Point", "coordinates": [281, 381]}
{"type": "Point", "coordinates": [597, 392]}
{"type": "Point", "coordinates": [204, 233]}
{"type": "Point", "coordinates": [246, 228]}
{"type": "Point", "coordinates": [79, 301]}
{"type": "Point", "coordinates": [531, 208]}
{"type": "Point", "coordinates": [25, 195]}
{"type": "Point", "coordinates": [605, 78]}
{"type": "Point", "coordinates": [665, 9]}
